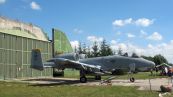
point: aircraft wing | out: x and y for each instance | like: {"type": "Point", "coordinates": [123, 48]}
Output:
{"type": "Point", "coordinates": [66, 63]}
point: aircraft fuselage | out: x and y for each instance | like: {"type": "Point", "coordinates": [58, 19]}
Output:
{"type": "Point", "coordinates": [110, 63]}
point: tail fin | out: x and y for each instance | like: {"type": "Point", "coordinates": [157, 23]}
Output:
{"type": "Point", "coordinates": [36, 60]}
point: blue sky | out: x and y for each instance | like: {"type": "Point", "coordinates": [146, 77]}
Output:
{"type": "Point", "coordinates": [134, 25]}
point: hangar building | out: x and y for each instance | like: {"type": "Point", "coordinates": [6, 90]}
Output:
{"type": "Point", "coordinates": [17, 39]}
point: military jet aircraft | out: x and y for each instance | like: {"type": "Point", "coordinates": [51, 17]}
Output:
{"type": "Point", "coordinates": [91, 66]}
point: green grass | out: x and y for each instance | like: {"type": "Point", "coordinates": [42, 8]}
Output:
{"type": "Point", "coordinates": [27, 90]}
{"type": "Point", "coordinates": [68, 73]}
{"type": "Point", "coordinates": [141, 75]}
{"type": "Point", "coordinates": [9, 89]}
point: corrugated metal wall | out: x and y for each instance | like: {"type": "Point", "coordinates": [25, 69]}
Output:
{"type": "Point", "coordinates": [15, 56]}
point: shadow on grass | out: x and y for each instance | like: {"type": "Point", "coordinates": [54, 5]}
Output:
{"type": "Point", "coordinates": [55, 82]}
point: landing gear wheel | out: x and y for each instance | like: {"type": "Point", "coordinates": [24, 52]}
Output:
{"type": "Point", "coordinates": [97, 77]}
{"type": "Point", "coordinates": [83, 79]}
{"type": "Point", "coordinates": [132, 79]}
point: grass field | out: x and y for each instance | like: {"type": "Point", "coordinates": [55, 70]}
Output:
{"type": "Point", "coordinates": [141, 75]}
{"type": "Point", "coordinates": [27, 90]}
{"type": "Point", "coordinates": [11, 89]}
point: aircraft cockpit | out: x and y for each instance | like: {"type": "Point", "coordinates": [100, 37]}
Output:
{"type": "Point", "coordinates": [134, 55]}
{"type": "Point", "coordinates": [125, 54]}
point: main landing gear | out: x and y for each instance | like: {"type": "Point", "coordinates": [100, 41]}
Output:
{"type": "Point", "coordinates": [132, 79]}
{"type": "Point", "coordinates": [83, 79]}
{"type": "Point", "coordinates": [97, 77]}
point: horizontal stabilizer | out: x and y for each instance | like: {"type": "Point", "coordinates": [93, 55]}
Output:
{"type": "Point", "coordinates": [36, 60]}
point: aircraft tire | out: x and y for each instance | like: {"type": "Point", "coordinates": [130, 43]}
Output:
{"type": "Point", "coordinates": [132, 79]}
{"type": "Point", "coordinates": [83, 79]}
{"type": "Point", "coordinates": [97, 77]}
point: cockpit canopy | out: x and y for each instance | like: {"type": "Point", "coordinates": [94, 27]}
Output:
{"type": "Point", "coordinates": [134, 55]}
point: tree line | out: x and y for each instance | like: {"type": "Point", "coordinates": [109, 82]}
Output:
{"type": "Point", "coordinates": [97, 50]}
{"type": "Point", "coordinates": [157, 59]}
{"type": "Point", "coordinates": [104, 49]}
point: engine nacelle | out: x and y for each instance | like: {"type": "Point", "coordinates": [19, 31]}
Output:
{"type": "Point", "coordinates": [70, 56]}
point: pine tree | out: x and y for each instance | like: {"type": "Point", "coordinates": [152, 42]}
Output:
{"type": "Point", "coordinates": [75, 49]}
{"type": "Point", "coordinates": [120, 52]}
{"type": "Point", "coordinates": [95, 52]}
{"type": "Point", "coordinates": [80, 49]}
{"type": "Point", "coordinates": [84, 48]}
{"type": "Point", "coordinates": [109, 51]}
{"type": "Point", "coordinates": [105, 49]}
{"type": "Point", "coordinates": [88, 52]}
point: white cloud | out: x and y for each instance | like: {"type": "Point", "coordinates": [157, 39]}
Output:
{"type": "Point", "coordinates": [171, 41]}
{"type": "Point", "coordinates": [74, 44]}
{"type": "Point", "coordinates": [113, 42]}
{"type": "Point", "coordinates": [118, 33]}
{"type": "Point", "coordinates": [150, 46]}
{"type": "Point", "coordinates": [116, 46]}
{"type": "Point", "coordinates": [120, 23]}
{"type": "Point", "coordinates": [122, 46]}
{"type": "Point", "coordinates": [144, 22]}
{"type": "Point", "coordinates": [143, 34]}
{"type": "Point", "coordinates": [2, 1]}
{"type": "Point", "coordinates": [162, 45]}
{"type": "Point", "coordinates": [128, 21]}
{"type": "Point", "coordinates": [35, 6]}
{"type": "Point", "coordinates": [78, 31]}
{"type": "Point", "coordinates": [94, 39]}
{"type": "Point", "coordinates": [155, 36]}
{"type": "Point", "coordinates": [164, 49]}
{"type": "Point", "coordinates": [129, 35]}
